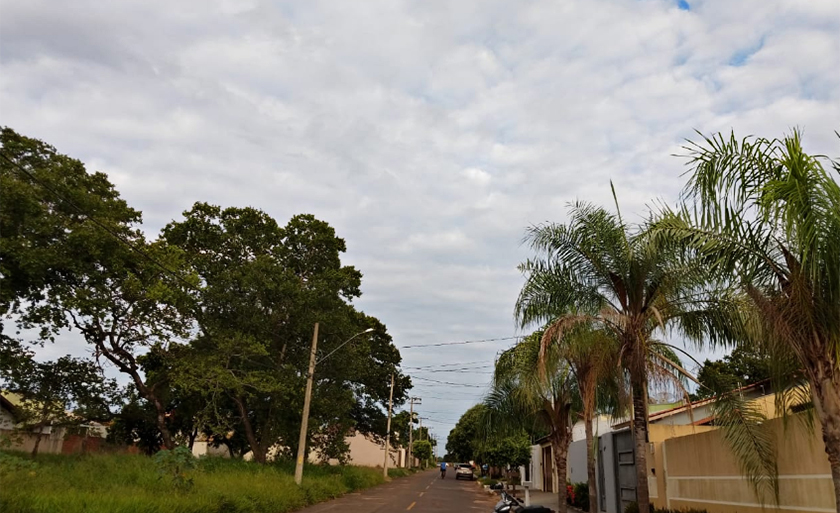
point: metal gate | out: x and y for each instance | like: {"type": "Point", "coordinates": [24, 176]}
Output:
{"type": "Point", "coordinates": [602, 481]}
{"type": "Point", "coordinates": [625, 468]}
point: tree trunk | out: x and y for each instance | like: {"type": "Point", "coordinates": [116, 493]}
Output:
{"type": "Point", "coordinates": [256, 450]}
{"type": "Point", "coordinates": [825, 393]}
{"type": "Point", "coordinates": [560, 448]}
{"type": "Point", "coordinates": [641, 439]}
{"type": "Point", "coordinates": [590, 465]}
{"type": "Point", "coordinates": [161, 423]}
{"type": "Point", "coordinates": [193, 436]}
{"type": "Point", "coordinates": [37, 440]}
{"type": "Point", "coordinates": [129, 366]}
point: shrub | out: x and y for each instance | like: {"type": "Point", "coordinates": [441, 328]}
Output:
{"type": "Point", "coordinates": [633, 507]}
{"type": "Point", "coordinates": [176, 464]}
{"type": "Point", "coordinates": [581, 494]}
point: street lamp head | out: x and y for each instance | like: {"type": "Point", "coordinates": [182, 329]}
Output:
{"type": "Point", "coordinates": [369, 330]}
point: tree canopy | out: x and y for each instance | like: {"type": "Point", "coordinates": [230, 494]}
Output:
{"type": "Point", "coordinates": [211, 322]}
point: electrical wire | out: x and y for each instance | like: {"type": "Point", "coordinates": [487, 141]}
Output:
{"type": "Point", "coordinates": [449, 382]}
{"type": "Point", "coordinates": [461, 342]}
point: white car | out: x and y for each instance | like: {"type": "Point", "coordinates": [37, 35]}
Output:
{"type": "Point", "coordinates": [464, 471]}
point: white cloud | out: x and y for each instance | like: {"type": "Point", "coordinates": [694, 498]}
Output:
{"type": "Point", "coordinates": [429, 133]}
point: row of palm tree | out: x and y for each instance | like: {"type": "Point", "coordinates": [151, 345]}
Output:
{"type": "Point", "coordinates": [751, 256]}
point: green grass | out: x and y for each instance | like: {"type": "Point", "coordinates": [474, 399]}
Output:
{"type": "Point", "coordinates": [131, 484]}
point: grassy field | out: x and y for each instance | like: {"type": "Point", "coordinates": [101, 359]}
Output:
{"type": "Point", "coordinates": [133, 484]}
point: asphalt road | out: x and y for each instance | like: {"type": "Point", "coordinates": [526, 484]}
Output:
{"type": "Point", "coordinates": [423, 492]}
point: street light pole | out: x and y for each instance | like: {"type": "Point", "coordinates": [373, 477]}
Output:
{"type": "Point", "coordinates": [388, 429]}
{"type": "Point", "coordinates": [304, 422]}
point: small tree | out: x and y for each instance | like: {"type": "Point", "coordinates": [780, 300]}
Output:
{"type": "Point", "coordinates": [510, 452]}
{"type": "Point", "coordinates": [50, 389]}
{"type": "Point", "coordinates": [422, 450]}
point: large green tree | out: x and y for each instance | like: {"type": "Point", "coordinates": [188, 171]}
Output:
{"type": "Point", "coordinates": [744, 366]}
{"type": "Point", "coordinates": [49, 237]}
{"type": "Point", "coordinates": [766, 215]}
{"type": "Point", "coordinates": [263, 287]}
{"type": "Point", "coordinates": [464, 440]}
{"type": "Point", "coordinates": [597, 268]}
{"type": "Point", "coordinates": [71, 257]}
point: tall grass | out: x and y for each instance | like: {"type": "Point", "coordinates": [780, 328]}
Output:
{"type": "Point", "coordinates": [131, 484]}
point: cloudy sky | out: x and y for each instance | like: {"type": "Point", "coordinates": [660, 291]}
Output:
{"type": "Point", "coordinates": [428, 133]}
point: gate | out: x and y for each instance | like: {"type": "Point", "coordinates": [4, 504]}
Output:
{"type": "Point", "coordinates": [548, 470]}
{"type": "Point", "coordinates": [625, 461]}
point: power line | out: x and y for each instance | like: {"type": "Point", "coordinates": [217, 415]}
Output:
{"type": "Point", "coordinates": [435, 365]}
{"type": "Point", "coordinates": [470, 370]}
{"type": "Point", "coordinates": [93, 220]}
{"type": "Point", "coordinates": [448, 382]}
{"type": "Point", "coordinates": [462, 342]}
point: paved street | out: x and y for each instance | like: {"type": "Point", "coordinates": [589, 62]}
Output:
{"type": "Point", "coordinates": [424, 492]}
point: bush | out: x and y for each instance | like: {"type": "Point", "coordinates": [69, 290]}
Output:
{"type": "Point", "coordinates": [489, 481]}
{"type": "Point", "coordinates": [123, 483]}
{"type": "Point", "coordinates": [633, 507]}
{"type": "Point", "coordinates": [581, 491]}
{"type": "Point", "coordinates": [176, 465]}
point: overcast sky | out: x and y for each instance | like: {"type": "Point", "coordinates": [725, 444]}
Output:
{"type": "Point", "coordinates": [430, 134]}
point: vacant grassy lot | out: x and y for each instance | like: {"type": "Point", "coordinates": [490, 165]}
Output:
{"type": "Point", "coordinates": [129, 484]}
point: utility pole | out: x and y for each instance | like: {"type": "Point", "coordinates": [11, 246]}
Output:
{"type": "Point", "coordinates": [388, 430]}
{"type": "Point", "coordinates": [411, 401]}
{"type": "Point", "coordinates": [304, 424]}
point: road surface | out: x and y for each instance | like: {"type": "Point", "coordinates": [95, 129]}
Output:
{"type": "Point", "coordinates": [423, 492]}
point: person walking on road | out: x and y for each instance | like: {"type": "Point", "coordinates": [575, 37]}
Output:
{"type": "Point", "coordinates": [442, 469]}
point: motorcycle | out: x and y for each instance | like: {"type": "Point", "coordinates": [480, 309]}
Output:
{"type": "Point", "coordinates": [510, 504]}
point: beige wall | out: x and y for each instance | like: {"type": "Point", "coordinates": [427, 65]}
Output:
{"type": "Point", "coordinates": [51, 440]}
{"type": "Point", "coordinates": [367, 453]}
{"type": "Point", "coordinates": [657, 434]}
{"type": "Point", "coordinates": [701, 471]}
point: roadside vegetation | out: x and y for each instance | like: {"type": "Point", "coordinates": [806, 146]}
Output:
{"type": "Point", "coordinates": [133, 484]}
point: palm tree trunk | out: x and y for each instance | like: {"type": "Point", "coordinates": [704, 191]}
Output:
{"type": "Point", "coordinates": [825, 392]}
{"type": "Point", "coordinates": [560, 449]}
{"type": "Point", "coordinates": [590, 465]}
{"type": "Point", "coordinates": [640, 438]}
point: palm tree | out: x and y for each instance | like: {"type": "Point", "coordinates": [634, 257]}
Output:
{"type": "Point", "coordinates": [522, 398]}
{"type": "Point", "coordinates": [598, 269]}
{"type": "Point", "coordinates": [591, 355]}
{"type": "Point", "coordinates": [766, 215]}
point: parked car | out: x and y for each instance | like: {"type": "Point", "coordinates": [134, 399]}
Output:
{"type": "Point", "coordinates": [464, 471]}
